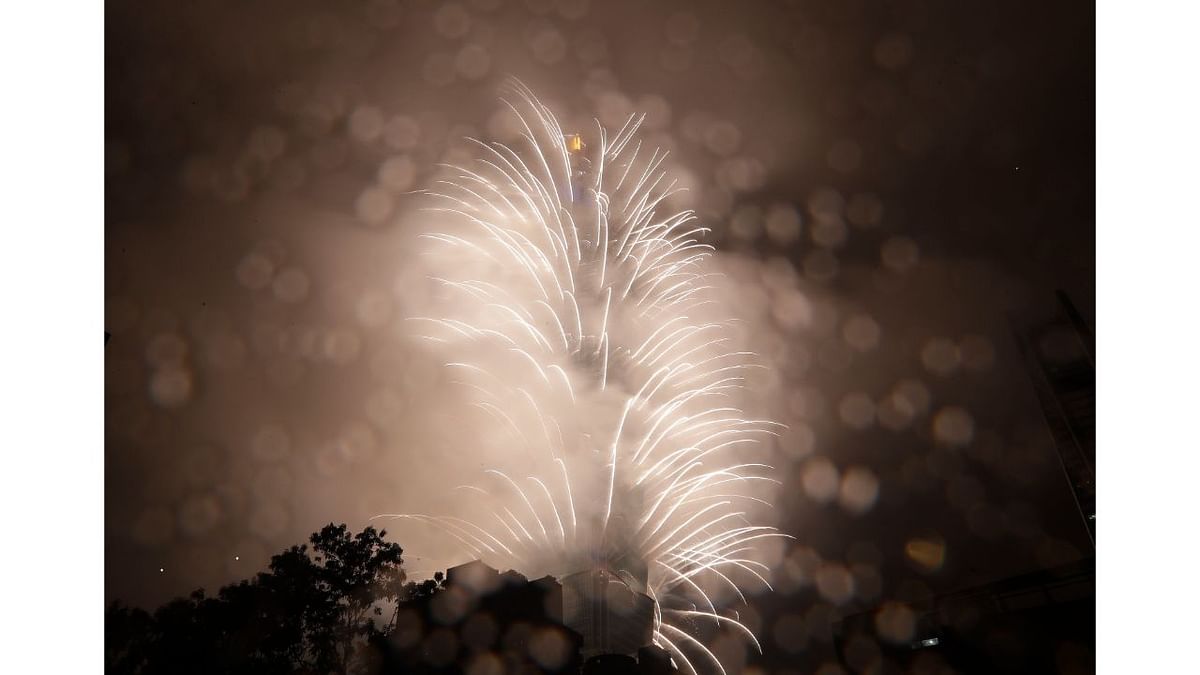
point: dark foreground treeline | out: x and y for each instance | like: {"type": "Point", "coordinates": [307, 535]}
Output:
{"type": "Point", "coordinates": [316, 609]}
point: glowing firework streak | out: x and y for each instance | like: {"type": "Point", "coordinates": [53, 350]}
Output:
{"type": "Point", "coordinates": [593, 357]}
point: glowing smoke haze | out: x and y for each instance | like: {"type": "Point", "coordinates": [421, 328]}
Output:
{"type": "Point", "coordinates": [601, 373]}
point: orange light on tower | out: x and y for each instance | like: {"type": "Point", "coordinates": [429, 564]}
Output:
{"type": "Point", "coordinates": [579, 165]}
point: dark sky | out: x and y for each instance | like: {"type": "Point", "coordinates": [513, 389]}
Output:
{"type": "Point", "coordinates": [939, 155]}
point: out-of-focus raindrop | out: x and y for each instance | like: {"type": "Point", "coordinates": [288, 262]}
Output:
{"type": "Point", "coordinates": [826, 202]}
{"type": "Point", "coordinates": [915, 394]}
{"type": "Point", "coordinates": [895, 412]}
{"type": "Point", "coordinates": [861, 332]}
{"type": "Point", "coordinates": [657, 111]}
{"type": "Point", "coordinates": [401, 133]}
{"type": "Point", "coordinates": [357, 443]}
{"type": "Point", "coordinates": [373, 309]}
{"type": "Point", "coordinates": [171, 386]}
{"type": "Point", "coordinates": [485, 663]}
{"type": "Point", "coordinates": [741, 54]}
{"type": "Point", "coordinates": [398, 173]}
{"type": "Point", "coordinates": [834, 583]}
{"type": "Point", "coordinates": [374, 205]}
{"type": "Point", "coordinates": [800, 568]}
{"type": "Point", "coordinates": [548, 45]}
{"type": "Point", "coordinates": [940, 356]}
{"type": "Point", "coordinates": [255, 271]}
{"type": "Point", "coordinates": [747, 222]}
{"type": "Point", "coordinates": [366, 124]}
{"type": "Point", "coordinates": [859, 490]}
{"type": "Point", "coordinates": [792, 310]}
{"type": "Point", "coordinates": [452, 20]}
{"type": "Point", "coordinates": [899, 253]}
{"type": "Point", "coordinates": [549, 648]}
{"type": "Point", "coordinates": [613, 108]}
{"type": "Point", "coordinates": [829, 232]}
{"type": "Point", "coordinates": [864, 210]}
{"type": "Point", "coordinates": [896, 623]}
{"type": "Point", "coordinates": [723, 138]}
{"type": "Point", "coordinates": [329, 460]}
{"type": "Point", "coordinates": [384, 408]}
{"type": "Point", "coordinates": [783, 224]}
{"type": "Point", "coordinates": [779, 274]}
{"type": "Point", "coordinates": [198, 515]}
{"type": "Point", "coordinates": [953, 426]}
{"type": "Point", "coordinates": [857, 410]}
{"type": "Point", "coordinates": [479, 633]}
{"type": "Point", "coordinates": [744, 174]}
{"type": "Point", "coordinates": [807, 403]}
{"type": "Point", "coordinates": [820, 480]}
{"type": "Point", "coordinates": [341, 346]}
{"type": "Point", "coordinates": [929, 553]}
{"type": "Point", "coordinates": [166, 349]}
{"type": "Point", "coordinates": [291, 285]}
{"type": "Point", "coordinates": [799, 441]}
{"type": "Point", "coordinates": [473, 61]}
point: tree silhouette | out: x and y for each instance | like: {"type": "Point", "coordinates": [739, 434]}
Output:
{"type": "Point", "coordinates": [356, 573]}
{"type": "Point", "coordinates": [125, 631]}
{"type": "Point", "coordinates": [310, 612]}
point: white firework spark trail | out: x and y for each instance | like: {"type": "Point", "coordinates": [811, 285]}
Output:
{"type": "Point", "coordinates": [580, 298]}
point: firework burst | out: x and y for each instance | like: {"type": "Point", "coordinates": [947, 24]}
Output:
{"type": "Point", "coordinates": [571, 302]}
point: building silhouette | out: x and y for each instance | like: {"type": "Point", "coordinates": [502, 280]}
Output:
{"type": "Point", "coordinates": [1043, 621]}
{"type": "Point", "coordinates": [1059, 352]}
{"type": "Point", "coordinates": [484, 622]}
{"type": "Point", "coordinates": [607, 612]}
{"type": "Point", "coordinates": [1037, 623]}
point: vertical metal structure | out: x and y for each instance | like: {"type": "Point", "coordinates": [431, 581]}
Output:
{"type": "Point", "coordinates": [611, 616]}
{"type": "Point", "coordinates": [1059, 353]}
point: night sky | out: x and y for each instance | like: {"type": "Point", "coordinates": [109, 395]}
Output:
{"type": "Point", "coordinates": [937, 157]}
